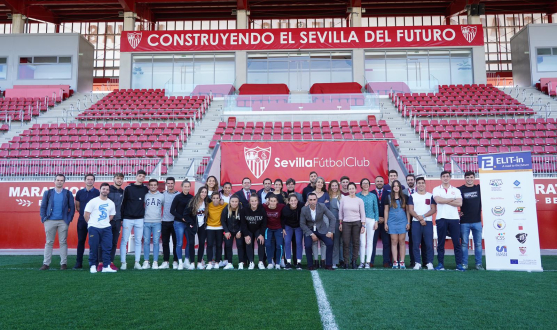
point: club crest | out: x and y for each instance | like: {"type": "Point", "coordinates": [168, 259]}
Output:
{"type": "Point", "coordinates": [134, 39]}
{"type": "Point", "coordinates": [257, 160]}
{"type": "Point", "coordinates": [469, 32]}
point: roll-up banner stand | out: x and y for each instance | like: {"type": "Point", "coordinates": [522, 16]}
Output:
{"type": "Point", "coordinates": [509, 211]}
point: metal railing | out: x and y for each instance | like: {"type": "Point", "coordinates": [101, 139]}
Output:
{"type": "Point", "coordinates": [75, 169]}
{"type": "Point", "coordinates": [543, 165]}
{"type": "Point", "coordinates": [139, 114]}
{"type": "Point", "coordinates": [414, 165]}
{"type": "Point", "coordinates": [540, 110]}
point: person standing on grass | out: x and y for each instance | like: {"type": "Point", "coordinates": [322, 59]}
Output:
{"type": "Point", "coordinates": [421, 208]}
{"type": "Point", "coordinates": [396, 224]}
{"type": "Point", "coordinates": [98, 213]}
{"type": "Point", "coordinates": [290, 222]}
{"type": "Point", "coordinates": [344, 181]}
{"type": "Point", "coordinates": [82, 197]}
{"type": "Point", "coordinates": [167, 225]}
{"type": "Point", "coordinates": [177, 209]}
{"type": "Point", "coordinates": [322, 197]}
{"type": "Point", "coordinates": [310, 187]}
{"type": "Point", "coordinates": [212, 185]}
{"type": "Point", "coordinates": [226, 192]}
{"type": "Point", "coordinates": [372, 217]}
{"type": "Point", "coordinates": [448, 199]}
{"type": "Point", "coordinates": [133, 212]}
{"type": "Point", "coordinates": [232, 227]}
{"type": "Point", "coordinates": [57, 211]}
{"type": "Point", "coordinates": [274, 230]}
{"type": "Point", "coordinates": [334, 203]}
{"type": "Point", "coordinates": [245, 193]}
{"type": "Point", "coordinates": [214, 231]}
{"type": "Point", "coordinates": [116, 195]}
{"type": "Point", "coordinates": [196, 224]}
{"type": "Point", "coordinates": [352, 223]}
{"type": "Point", "coordinates": [471, 219]}
{"type": "Point", "coordinates": [254, 223]}
{"type": "Point", "coordinates": [154, 202]}
{"type": "Point", "coordinates": [411, 182]}
{"type": "Point", "coordinates": [382, 199]}
{"type": "Point", "coordinates": [317, 223]}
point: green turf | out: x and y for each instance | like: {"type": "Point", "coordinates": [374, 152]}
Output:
{"type": "Point", "coordinates": [360, 299]}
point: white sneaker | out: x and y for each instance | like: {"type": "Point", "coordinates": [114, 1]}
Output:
{"type": "Point", "coordinates": [145, 265]}
{"type": "Point", "coordinates": [155, 265]}
{"type": "Point", "coordinates": [164, 265]}
{"type": "Point", "coordinates": [229, 266]}
{"type": "Point", "coordinates": [210, 266]}
{"type": "Point", "coordinates": [137, 265]}
{"type": "Point", "coordinates": [277, 266]}
{"type": "Point", "coordinates": [241, 265]}
{"type": "Point", "coordinates": [282, 264]}
{"type": "Point", "coordinates": [225, 262]}
{"type": "Point", "coordinates": [124, 266]}
{"type": "Point", "coordinates": [417, 266]}
{"type": "Point", "coordinates": [93, 269]}
{"type": "Point", "coordinates": [221, 264]}
{"type": "Point", "coordinates": [271, 266]}
{"type": "Point", "coordinates": [180, 265]}
{"type": "Point", "coordinates": [192, 266]}
{"type": "Point", "coordinates": [367, 266]}
{"type": "Point", "coordinates": [251, 266]}
{"type": "Point", "coordinates": [174, 265]}
{"type": "Point", "coordinates": [335, 267]}
{"type": "Point", "coordinates": [429, 266]}
{"type": "Point", "coordinates": [109, 270]}
{"type": "Point", "coordinates": [186, 263]}
{"type": "Point", "coordinates": [361, 266]}
{"type": "Point", "coordinates": [200, 265]}
{"type": "Point", "coordinates": [260, 265]}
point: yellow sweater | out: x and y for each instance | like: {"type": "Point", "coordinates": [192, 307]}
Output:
{"type": "Point", "coordinates": [213, 219]}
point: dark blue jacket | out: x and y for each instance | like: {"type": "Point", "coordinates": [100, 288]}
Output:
{"type": "Point", "coordinates": [47, 204]}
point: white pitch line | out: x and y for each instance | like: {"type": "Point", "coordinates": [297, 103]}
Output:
{"type": "Point", "coordinates": [327, 316]}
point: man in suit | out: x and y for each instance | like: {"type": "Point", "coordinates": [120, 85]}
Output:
{"type": "Point", "coordinates": [382, 194]}
{"type": "Point", "coordinates": [262, 193]}
{"type": "Point", "coordinates": [245, 193]}
{"type": "Point", "coordinates": [317, 223]}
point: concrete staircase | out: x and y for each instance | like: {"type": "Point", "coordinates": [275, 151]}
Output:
{"type": "Point", "coordinates": [409, 142]}
{"type": "Point", "coordinates": [525, 95]}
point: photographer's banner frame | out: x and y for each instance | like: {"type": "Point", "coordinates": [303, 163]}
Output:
{"type": "Point", "coordinates": [510, 228]}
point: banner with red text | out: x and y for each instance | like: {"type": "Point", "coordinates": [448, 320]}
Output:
{"type": "Point", "coordinates": [283, 160]}
{"type": "Point", "coordinates": [318, 38]}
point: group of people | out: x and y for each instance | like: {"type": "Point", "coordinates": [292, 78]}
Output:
{"type": "Point", "coordinates": [342, 220]}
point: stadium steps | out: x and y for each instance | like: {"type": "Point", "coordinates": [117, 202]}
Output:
{"type": "Point", "coordinates": [409, 142]}
{"type": "Point", "coordinates": [197, 145]}
{"type": "Point", "coordinates": [538, 95]}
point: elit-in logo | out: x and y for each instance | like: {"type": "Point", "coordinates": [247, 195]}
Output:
{"type": "Point", "coordinates": [257, 159]}
{"type": "Point", "coordinates": [134, 39]}
{"type": "Point", "coordinates": [469, 32]}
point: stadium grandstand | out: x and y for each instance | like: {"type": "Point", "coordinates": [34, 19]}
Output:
{"type": "Point", "coordinates": [165, 86]}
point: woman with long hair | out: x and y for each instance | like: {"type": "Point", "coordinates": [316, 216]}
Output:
{"type": "Point", "coordinates": [214, 232]}
{"type": "Point", "coordinates": [254, 223]}
{"type": "Point", "coordinates": [321, 191]}
{"type": "Point", "coordinates": [352, 219]}
{"type": "Point", "coordinates": [290, 221]}
{"type": "Point", "coordinates": [396, 223]}
{"type": "Point", "coordinates": [335, 196]}
{"type": "Point", "coordinates": [232, 227]}
{"type": "Point", "coordinates": [372, 217]}
{"type": "Point", "coordinates": [274, 247]}
{"type": "Point", "coordinates": [281, 195]}
{"type": "Point", "coordinates": [212, 185]}
{"type": "Point", "coordinates": [196, 223]}
{"type": "Point", "coordinates": [226, 192]}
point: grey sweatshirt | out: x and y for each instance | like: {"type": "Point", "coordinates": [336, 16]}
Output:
{"type": "Point", "coordinates": [168, 199]}
{"type": "Point", "coordinates": [153, 207]}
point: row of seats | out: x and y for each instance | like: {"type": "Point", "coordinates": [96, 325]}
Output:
{"type": "Point", "coordinates": [42, 168]}
{"type": "Point", "coordinates": [153, 114]}
{"type": "Point", "coordinates": [73, 154]}
{"type": "Point", "coordinates": [306, 124]}
{"type": "Point", "coordinates": [305, 130]}
{"type": "Point", "coordinates": [548, 86]}
{"type": "Point", "coordinates": [78, 145]}
{"type": "Point", "coordinates": [96, 126]}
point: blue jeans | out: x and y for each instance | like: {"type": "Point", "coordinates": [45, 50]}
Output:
{"type": "Point", "coordinates": [422, 234]}
{"type": "Point", "coordinates": [100, 237]}
{"type": "Point", "coordinates": [288, 242]}
{"type": "Point", "coordinates": [453, 225]}
{"type": "Point", "coordinates": [476, 228]}
{"type": "Point", "coordinates": [148, 228]}
{"type": "Point", "coordinates": [273, 251]}
{"type": "Point", "coordinates": [179, 228]}
{"type": "Point", "coordinates": [137, 226]}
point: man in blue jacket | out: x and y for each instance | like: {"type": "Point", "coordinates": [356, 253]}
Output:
{"type": "Point", "coordinates": [57, 211]}
{"type": "Point", "coordinates": [83, 197]}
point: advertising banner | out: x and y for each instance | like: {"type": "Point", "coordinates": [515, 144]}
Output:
{"type": "Point", "coordinates": [283, 160]}
{"type": "Point", "coordinates": [312, 38]}
{"type": "Point", "coordinates": [509, 212]}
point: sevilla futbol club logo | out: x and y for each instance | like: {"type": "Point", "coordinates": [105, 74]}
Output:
{"type": "Point", "coordinates": [257, 159]}
{"type": "Point", "coordinates": [469, 32]}
{"type": "Point", "coordinates": [134, 39]}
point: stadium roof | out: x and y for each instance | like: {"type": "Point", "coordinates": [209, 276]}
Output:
{"type": "Point", "coordinates": [58, 11]}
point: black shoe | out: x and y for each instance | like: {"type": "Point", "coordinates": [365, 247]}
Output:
{"type": "Point", "coordinates": [345, 266]}
{"type": "Point", "coordinates": [298, 266]}
{"type": "Point", "coordinates": [322, 264]}
{"type": "Point", "coordinates": [341, 264]}
{"type": "Point", "coordinates": [288, 266]}
{"type": "Point", "coordinates": [354, 264]}
{"type": "Point", "coordinates": [311, 268]}
{"type": "Point", "coordinates": [78, 266]}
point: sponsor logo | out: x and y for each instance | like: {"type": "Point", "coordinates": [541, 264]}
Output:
{"type": "Point", "coordinates": [499, 224]}
{"type": "Point", "coordinates": [23, 202]}
{"type": "Point", "coordinates": [501, 251]}
{"type": "Point", "coordinates": [497, 198]}
{"type": "Point", "coordinates": [516, 184]}
{"type": "Point", "coordinates": [496, 182]}
{"type": "Point", "coordinates": [520, 227]}
{"type": "Point", "coordinates": [514, 261]}
{"type": "Point", "coordinates": [469, 32]}
{"type": "Point", "coordinates": [521, 237]}
{"type": "Point", "coordinates": [518, 198]}
{"type": "Point", "coordinates": [522, 250]}
{"type": "Point", "coordinates": [257, 160]}
{"type": "Point", "coordinates": [498, 211]}
{"type": "Point", "coordinates": [500, 237]}
{"type": "Point", "coordinates": [519, 209]}
{"type": "Point", "coordinates": [134, 39]}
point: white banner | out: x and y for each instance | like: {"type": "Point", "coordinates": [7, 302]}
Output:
{"type": "Point", "coordinates": [509, 212]}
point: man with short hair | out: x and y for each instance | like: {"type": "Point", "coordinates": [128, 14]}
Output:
{"type": "Point", "coordinates": [154, 202]}
{"type": "Point", "coordinates": [448, 199]}
{"type": "Point", "coordinates": [98, 213]}
{"type": "Point", "coordinates": [291, 189]}
{"type": "Point", "coordinates": [116, 194]}
{"type": "Point", "coordinates": [344, 181]}
{"type": "Point", "coordinates": [411, 182]}
{"type": "Point", "coordinates": [57, 211]}
{"type": "Point", "coordinates": [133, 213]}
{"type": "Point", "coordinates": [317, 223]}
{"type": "Point", "coordinates": [422, 206]}
{"type": "Point", "coordinates": [245, 193]}
{"type": "Point", "coordinates": [262, 193]}
{"type": "Point", "coordinates": [393, 175]}
{"type": "Point", "coordinates": [471, 219]}
{"type": "Point", "coordinates": [382, 194]}
{"type": "Point", "coordinates": [310, 187]}
{"type": "Point", "coordinates": [82, 197]}
{"type": "Point", "coordinates": [167, 225]}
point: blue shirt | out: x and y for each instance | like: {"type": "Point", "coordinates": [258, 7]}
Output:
{"type": "Point", "coordinates": [57, 206]}
{"type": "Point", "coordinates": [83, 197]}
{"type": "Point", "coordinates": [370, 205]}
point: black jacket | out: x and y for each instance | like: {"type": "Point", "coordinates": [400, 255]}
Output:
{"type": "Point", "coordinates": [306, 192]}
{"type": "Point", "coordinates": [231, 224]}
{"type": "Point", "coordinates": [179, 205]}
{"type": "Point", "coordinates": [291, 218]}
{"type": "Point", "coordinates": [191, 217]}
{"type": "Point", "coordinates": [382, 201]}
{"type": "Point", "coordinates": [242, 197]}
{"type": "Point", "coordinates": [116, 195]}
{"type": "Point", "coordinates": [133, 202]}
{"type": "Point", "coordinates": [254, 223]}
